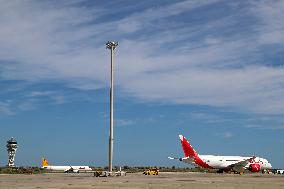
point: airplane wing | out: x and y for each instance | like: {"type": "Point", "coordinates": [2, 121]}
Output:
{"type": "Point", "coordinates": [184, 159]}
{"type": "Point", "coordinates": [241, 165]}
{"type": "Point", "coordinates": [174, 158]}
{"type": "Point", "coordinates": [69, 170]}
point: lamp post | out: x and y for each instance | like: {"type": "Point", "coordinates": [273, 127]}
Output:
{"type": "Point", "coordinates": [111, 45]}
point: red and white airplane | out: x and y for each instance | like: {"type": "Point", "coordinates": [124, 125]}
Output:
{"type": "Point", "coordinates": [222, 163]}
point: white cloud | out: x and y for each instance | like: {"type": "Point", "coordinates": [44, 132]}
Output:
{"type": "Point", "coordinates": [41, 93]}
{"type": "Point", "coordinates": [124, 122]}
{"type": "Point", "coordinates": [271, 25]}
{"type": "Point", "coordinates": [5, 108]}
{"type": "Point", "coordinates": [59, 99]}
{"type": "Point", "coordinates": [256, 88]}
{"type": "Point", "coordinates": [209, 118]}
{"type": "Point", "coordinates": [48, 41]}
{"type": "Point", "coordinates": [143, 19]}
{"type": "Point", "coordinates": [225, 135]}
{"type": "Point", "coordinates": [43, 45]}
{"type": "Point", "coordinates": [271, 126]}
{"type": "Point", "coordinates": [27, 105]}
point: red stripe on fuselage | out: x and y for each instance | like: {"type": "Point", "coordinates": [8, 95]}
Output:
{"type": "Point", "coordinates": [201, 163]}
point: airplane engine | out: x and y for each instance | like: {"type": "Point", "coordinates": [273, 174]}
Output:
{"type": "Point", "coordinates": [254, 167]}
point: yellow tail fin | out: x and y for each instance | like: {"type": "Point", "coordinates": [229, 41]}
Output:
{"type": "Point", "coordinates": [44, 162]}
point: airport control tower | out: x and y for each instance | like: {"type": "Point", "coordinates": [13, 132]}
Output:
{"type": "Point", "coordinates": [12, 146]}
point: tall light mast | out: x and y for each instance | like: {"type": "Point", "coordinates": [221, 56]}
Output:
{"type": "Point", "coordinates": [111, 45]}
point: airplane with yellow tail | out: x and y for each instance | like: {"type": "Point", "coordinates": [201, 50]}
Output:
{"type": "Point", "coordinates": [66, 169]}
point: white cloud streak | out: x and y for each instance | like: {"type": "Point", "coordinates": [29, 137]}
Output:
{"type": "Point", "coordinates": [124, 122]}
{"type": "Point", "coordinates": [225, 135]}
{"type": "Point", "coordinates": [272, 24]}
{"type": "Point", "coordinates": [39, 43]}
{"type": "Point", "coordinates": [5, 108]}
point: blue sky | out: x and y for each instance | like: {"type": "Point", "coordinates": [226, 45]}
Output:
{"type": "Point", "coordinates": [211, 70]}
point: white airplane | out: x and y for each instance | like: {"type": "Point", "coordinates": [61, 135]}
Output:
{"type": "Point", "coordinates": [66, 169]}
{"type": "Point", "coordinates": [222, 163]}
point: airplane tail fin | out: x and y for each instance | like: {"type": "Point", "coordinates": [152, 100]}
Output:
{"type": "Point", "coordinates": [44, 162]}
{"type": "Point", "coordinates": [187, 148]}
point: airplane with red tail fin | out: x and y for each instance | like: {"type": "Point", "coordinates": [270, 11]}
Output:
{"type": "Point", "coordinates": [222, 163]}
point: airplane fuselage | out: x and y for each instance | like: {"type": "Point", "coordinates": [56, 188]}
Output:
{"type": "Point", "coordinates": [222, 162]}
{"type": "Point", "coordinates": [67, 168]}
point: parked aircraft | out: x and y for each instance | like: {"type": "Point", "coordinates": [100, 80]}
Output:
{"type": "Point", "coordinates": [222, 163]}
{"type": "Point", "coordinates": [66, 169]}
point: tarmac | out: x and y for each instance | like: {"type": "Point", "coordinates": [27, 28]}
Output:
{"type": "Point", "coordinates": [138, 180]}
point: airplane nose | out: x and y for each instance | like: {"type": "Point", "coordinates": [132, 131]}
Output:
{"type": "Point", "coordinates": [269, 166]}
